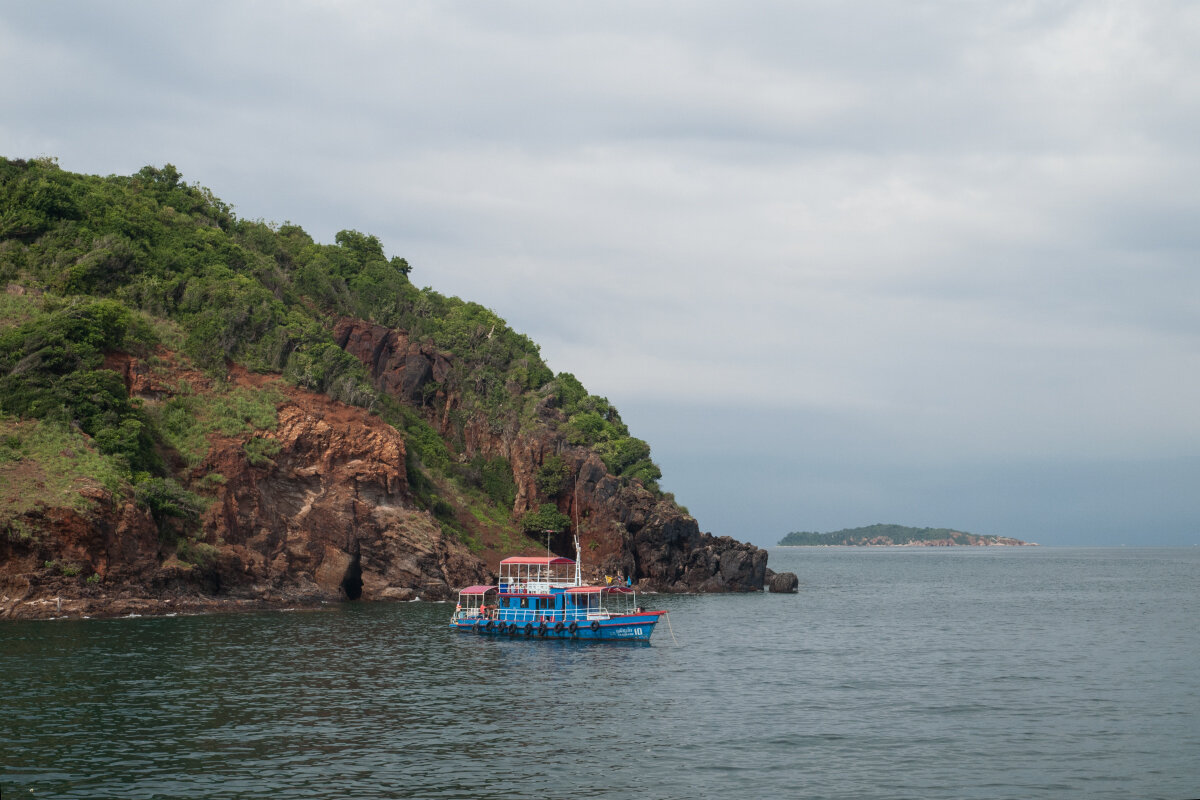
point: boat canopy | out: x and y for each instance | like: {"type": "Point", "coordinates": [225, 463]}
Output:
{"type": "Point", "coordinates": [536, 574]}
{"type": "Point", "coordinates": [477, 590]}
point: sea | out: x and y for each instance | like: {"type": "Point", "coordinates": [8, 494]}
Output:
{"type": "Point", "coordinates": [893, 673]}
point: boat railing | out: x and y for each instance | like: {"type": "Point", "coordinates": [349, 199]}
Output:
{"type": "Point", "coordinates": [469, 613]}
{"type": "Point", "coordinates": [523, 615]}
{"type": "Point", "coordinates": [529, 587]}
{"type": "Point", "coordinates": [586, 605]}
{"type": "Point", "coordinates": [539, 615]}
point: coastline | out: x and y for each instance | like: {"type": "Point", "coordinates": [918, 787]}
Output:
{"type": "Point", "coordinates": [58, 607]}
{"type": "Point", "coordinates": [920, 544]}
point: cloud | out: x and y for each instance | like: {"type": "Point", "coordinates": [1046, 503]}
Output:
{"type": "Point", "coordinates": [924, 229]}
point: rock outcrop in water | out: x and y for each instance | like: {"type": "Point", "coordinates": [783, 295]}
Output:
{"type": "Point", "coordinates": [782, 582]}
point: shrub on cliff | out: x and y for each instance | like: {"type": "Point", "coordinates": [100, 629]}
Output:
{"type": "Point", "coordinates": [551, 476]}
{"type": "Point", "coordinates": [593, 422]}
{"type": "Point", "coordinates": [51, 368]}
{"type": "Point", "coordinates": [167, 501]}
{"type": "Point", "coordinates": [546, 517]}
{"type": "Point", "coordinates": [493, 476]}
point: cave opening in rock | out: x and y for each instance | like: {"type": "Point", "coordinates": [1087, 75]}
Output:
{"type": "Point", "coordinates": [561, 543]}
{"type": "Point", "coordinates": [352, 584]}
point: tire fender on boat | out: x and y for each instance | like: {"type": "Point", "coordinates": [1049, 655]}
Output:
{"type": "Point", "coordinates": [542, 629]}
{"type": "Point", "coordinates": [529, 629]}
{"type": "Point", "coordinates": [558, 627]}
{"type": "Point", "coordinates": [489, 625]}
{"type": "Point", "coordinates": [574, 628]}
{"type": "Point", "coordinates": [595, 626]}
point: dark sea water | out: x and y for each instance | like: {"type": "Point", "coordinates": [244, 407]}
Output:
{"type": "Point", "coordinates": [922, 673]}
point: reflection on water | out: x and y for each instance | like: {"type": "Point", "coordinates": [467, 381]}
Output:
{"type": "Point", "coordinates": [931, 674]}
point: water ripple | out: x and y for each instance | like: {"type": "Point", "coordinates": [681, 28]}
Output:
{"type": "Point", "coordinates": [892, 674]}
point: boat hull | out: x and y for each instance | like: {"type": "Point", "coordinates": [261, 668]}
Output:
{"type": "Point", "coordinates": [631, 628]}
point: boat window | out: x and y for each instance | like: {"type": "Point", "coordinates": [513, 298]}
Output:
{"type": "Point", "coordinates": [524, 602]}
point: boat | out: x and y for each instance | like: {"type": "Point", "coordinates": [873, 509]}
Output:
{"type": "Point", "coordinates": [543, 597]}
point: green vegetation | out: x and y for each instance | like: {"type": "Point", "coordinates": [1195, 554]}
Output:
{"type": "Point", "coordinates": [184, 421]}
{"type": "Point", "coordinates": [260, 449]}
{"type": "Point", "coordinates": [195, 552]}
{"type": "Point", "coordinates": [146, 263]}
{"type": "Point", "coordinates": [167, 500]}
{"type": "Point", "coordinates": [51, 368]}
{"type": "Point", "coordinates": [546, 518]}
{"type": "Point", "coordinates": [492, 476]}
{"type": "Point", "coordinates": [552, 476]}
{"type": "Point", "coordinates": [881, 534]}
{"type": "Point", "coordinates": [594, 422]}
{"type": "Point", "coordinates": [46, 463]}
{"type": "Point", "coordinates": [66, 570]}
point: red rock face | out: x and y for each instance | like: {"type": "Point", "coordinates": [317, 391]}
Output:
{"type": "Point", "coordinates": [331, 518]}
{"type": "Point", "coordinates": [328, 518]}
{"type": "Point", "coordinates": [400, 368]}
{"type": "Point", "coordinates": [624, 528]}
{"type": "Point", "coordinates": [46, 574]}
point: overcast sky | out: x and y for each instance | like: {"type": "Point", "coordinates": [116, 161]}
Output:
{"type": "Point", "coordinates": [930, 263]}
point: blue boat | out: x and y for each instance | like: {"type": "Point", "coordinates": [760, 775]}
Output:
{"type": "Point", "coordinates": [538, 597]}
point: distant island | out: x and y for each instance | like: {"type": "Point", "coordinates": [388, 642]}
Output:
{"type": "Point", "coordinates": [898, 535]}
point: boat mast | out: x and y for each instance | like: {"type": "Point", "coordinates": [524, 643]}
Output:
{"type": "Point", "coordinates": [578, 558]}
{"type": "Point", "coordinates": [575, 531]}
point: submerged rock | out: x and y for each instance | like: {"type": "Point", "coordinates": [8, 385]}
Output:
{"type": "Point", "coordinates": [784, 583]}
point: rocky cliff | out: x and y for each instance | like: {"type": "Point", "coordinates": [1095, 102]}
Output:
{"type": "Point", "coordinates": [327, 517]}
{"type": "Point", "coordinates": [330, 516]}
{"type": "Point", "coordinates": [624, 528]}
{"type": "Point", "coordinates": [156, 452]}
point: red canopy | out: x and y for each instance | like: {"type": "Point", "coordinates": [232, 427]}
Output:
{"type": "Point", "coordinates": [477, 590]}
{"type": "Point", "coordinates": [542, 560]}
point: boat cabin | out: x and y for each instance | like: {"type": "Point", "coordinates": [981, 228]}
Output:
{"type": "Point", "coordinates": [537, 589]}
{"type": "Point", "coordinates": [544, 596]}
{"type": "Point", "coordinates": [537, 574]}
